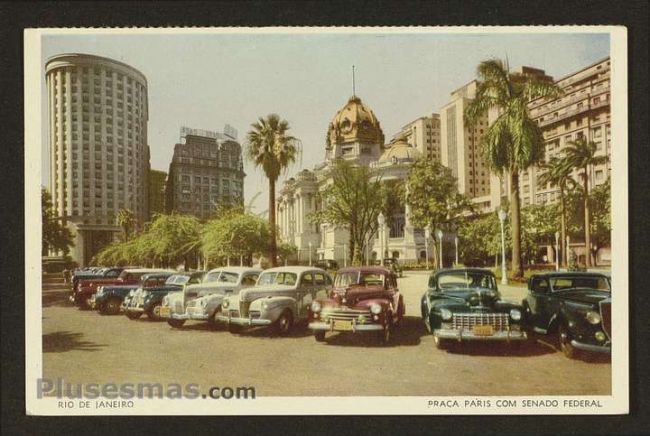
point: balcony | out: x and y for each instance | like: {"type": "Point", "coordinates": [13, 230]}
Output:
{"type": "Point", "coordinates": [568, 114]}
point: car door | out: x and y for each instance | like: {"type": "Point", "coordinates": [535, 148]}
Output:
{"type": "Point", "coordinates": [322, 284]}
{"type": "Point", "coordinates": [304, 291]}
{"type": "Point", "coordinates": [539, 302]}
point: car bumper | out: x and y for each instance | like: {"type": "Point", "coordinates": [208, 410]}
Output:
{"type": "Point", "coordinates": [243, 321]}
{"type": "Point", "coordinates": [329, 327]}
{"type": "Point", "coordinates": [189, 314]}
{"type": "Point", "coordinates": [467, 335]}
{"type": "Point", "coordinates": [133, 309]}
{"type": "Point", "coordinates": [591, 347]}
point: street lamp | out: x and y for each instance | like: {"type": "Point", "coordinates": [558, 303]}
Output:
{"type": "Point", "coordinates": [456, 242]}
{"type": "Point", "coordinates": [381, 220]}
{"type": "Point", "coordinates": [310, 253]}
{"type": "Point", "coordinates": [345, 255]}
{"type": "Point", "coordinates": [427, 235]}
{"type": "Point", "coordinates": [504, 275]}
{"type": "Point", "coordinates": [439, 236]}
{"type": "Point", "coordinates": [557, 251]}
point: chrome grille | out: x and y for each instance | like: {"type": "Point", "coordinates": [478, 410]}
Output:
{"type": "Point", "coordinates": [255, 314]}
{"type": "Point", "coordinates": [466, 321]}
{"type": "Point", "coordinates": [345, 314]}
{"type": "Point", "coordinates": [243, 308]}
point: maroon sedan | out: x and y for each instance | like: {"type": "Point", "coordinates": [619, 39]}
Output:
{"type": "Point", "coordinates": [364, 299]}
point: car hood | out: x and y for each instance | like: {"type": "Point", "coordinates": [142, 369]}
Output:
{"type": "Point", "coordinates": [473, 297]}
{"type": "Point", "coordinates": [354, 294]}
{"type": "Point", "coordinates": [252, 294]}
{"type": "Point", "coordinates": [200, 290]}
{"type": "Point", "coordinates": [583, 295]}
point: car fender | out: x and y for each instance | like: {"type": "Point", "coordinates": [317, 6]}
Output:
{"type": "Point", "coordinates": [214, 302]}
{"type": "Point", "coordinates": [275, 306]}
{"type": "Point", "coordinates": [553, 323]}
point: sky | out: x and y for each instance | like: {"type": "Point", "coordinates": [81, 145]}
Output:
{"type": "Point", "coordinates": [205, 81]}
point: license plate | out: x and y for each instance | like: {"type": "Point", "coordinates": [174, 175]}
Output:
{"type": "Point", "coordinates": [483, 330]}
{"type": "Point", "coordinates": [165, 312]}
{"type": "Point", "coordinates": [342, 325]}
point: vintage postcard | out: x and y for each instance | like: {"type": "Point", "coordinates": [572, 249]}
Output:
{"type": "Point", "coordinates": [260, 221]}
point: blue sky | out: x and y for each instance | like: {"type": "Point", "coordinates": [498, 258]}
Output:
{"type": "Point", "coordinates": [208, 80]}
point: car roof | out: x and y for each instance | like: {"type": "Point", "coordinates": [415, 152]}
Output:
{"type": "Point", "coordinates": [552, 274]}
{"type": "Point", "coordinates": [295, 269]}
{"type": "Point", "coordinates": [446, 270]}
{"type": "Point", "coordinates": [149, 270]}
{"type": "Point", "coordinates": [235, 269]}
{"type": "Point", "coordinates": [366, 268]}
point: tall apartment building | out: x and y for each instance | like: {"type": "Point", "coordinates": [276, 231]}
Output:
{"type": "Point", "coordinates": [422, 134]}
{"type": "Point", "coordinates": [157, 181]}
{"type": "Point", "coordinates": [460, 147]}
{"type": "Point", "coordinates": [99, 157]}
{"type": "Point", "coordinates": [206, 170]}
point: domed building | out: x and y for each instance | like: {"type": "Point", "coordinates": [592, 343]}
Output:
{"type": "Point", "coordinates": [354, 134]}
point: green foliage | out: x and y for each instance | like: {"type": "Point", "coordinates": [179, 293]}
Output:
{"type": "Point", "coordinates": [479, 239]}
{"type": "Point", "coordinates": [538, 226]}
{"type": "Point", "coordinates": [125, 219]}
{"type": "Point", "coordinates": [287, 250]}
{"type": "Point", "coordinates": [601, 214]}
{"type": "Point", "coordinates": [235, 234]}
{"type": "Point", "coordinates": [56, 236]}
{"type": "Point", "coordinates": [433, 195]}
{"type": "Point", "coordinates": [352, 201]}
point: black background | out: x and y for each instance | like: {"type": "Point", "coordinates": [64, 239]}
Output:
{"type": "Point", "coordinates": [15, 17]}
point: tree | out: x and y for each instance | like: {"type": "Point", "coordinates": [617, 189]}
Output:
{"type": "Point", "coordinates": [581, 155]}
{"type": "Point", "coordinates": [434, 198]}
{"type": "Point", "coordinates": [539, 223]}
{"type": "Point", "coordinates": [172, 238]}
{"type": "Point", "coordinates": [235, 234]}
{"type": "Point", "coordinates": [271, 148]}
{"type": "Point", "coordinates": [479, 239]}
{"type": "Point", "coordinates": [558, 173]}
{"type": "Point", "coordinates": [125, 219]}
{"type": "Point", "coordinates": [352, 201]}
{"type": "Point", "coordinates": [513, 142]}
{"type": "Point", "coordinates": [56, 236]}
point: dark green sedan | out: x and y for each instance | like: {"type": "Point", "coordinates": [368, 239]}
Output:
{"type": "Point", "coordinates": [464, 304]}
{"type": "Point", "coordinates": [574, 306]}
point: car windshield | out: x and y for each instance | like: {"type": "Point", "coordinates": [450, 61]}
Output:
{"type": "Point", "coordinates": [590, 282]}
{"type": "Point", "coordinates": [277, 278]}
{"type": "Point", "coordinates": [177, 280]}
{"type": "Point", "coordinates": [359, 278]}
{"type": "Point", "coordinates": [455, 280]}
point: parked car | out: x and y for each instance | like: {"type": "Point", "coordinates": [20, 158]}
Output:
{"type": "Point", "coordinates": [392, 264]}
{"type": "Point", "coordinates": [364, 299]}
{"type": "Point", "coordinates": [202, 301]}
{"type": "Point", "coordinates": [280, 299]}
{"type": "Point", "coordinates": [89, 274]}
{"type": "Point", "coordinates": [148, 298]}
{"type": "Point", "coordinates": [108, 299]}
{"type": "Point", "coordinates": [575, 306]}
{"type": "Point", "coordinates": [87, 288]}
{"type": "Point", "coordinates": [464, 304]}
{"type": "Point", "coordinates": [327, 264]}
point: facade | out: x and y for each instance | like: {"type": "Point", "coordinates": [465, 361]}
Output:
{"type": "Point", "coordinates": [422, 134]}
{"type": "Point", "coordinates": [99, 157]}
{"type": "Point", "coordinates": [157, 181]}
{"type": "Point", "coordinates": [354, 134]}
{"type": "Point", "coordinates": [206, 171]}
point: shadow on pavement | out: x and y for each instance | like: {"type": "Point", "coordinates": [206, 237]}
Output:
{"type": "Point", "coordinates": [408, 334]}
{"type": "Point", "coordinates": [56, 297]}
{"type": "Point", "coordinates": [59, 342]}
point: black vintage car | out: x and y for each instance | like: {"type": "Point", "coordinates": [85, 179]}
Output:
{"type": "Point", "coordinates": [464, 304]}
{"type": "Point", "coordinates": [575, 306]}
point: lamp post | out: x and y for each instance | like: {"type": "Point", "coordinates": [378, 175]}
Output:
{"type": "Point", "coordinates": [381, 220]}
{"type": "Point", "coordinates": [504, 275]}
{"type": "Point", "coordinates": [456, 242]}
{"type": "Point", "coordinates": [568, 248]}
{"type": "Point", "coordinates": [427, 235]}
{"type": "Point", "coordinates": [557, 251]}
{"type": "Point", "coordinates": [439, 236]}
{"type": "Point", "coordinates": [345, 254]}
{"type": "Point", "coordinates": [310, 253]}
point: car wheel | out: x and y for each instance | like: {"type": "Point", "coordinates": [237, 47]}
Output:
{"type": "Point", "coordinates": [212, 321]}
{"type": "Point", "coordinates": [441, 344]}
{"type": "Point", "coordinates": [154, 313]}
{"type": "Point", "coordinates": [83, 304]}
{"type": "Point", "coordinates": [427, 323]}
{"type": "Point", "coordinates": [176, 323]}
{"type": "Point", "coordinates": [284, 323]}
{"type": "Point", "coordinates": [133, 315]}
{"type": "Point", "coordinates": [320, 336]}
{"type": "Point", "coordinates": [386, 334]}
{"type": "Point", "coordinates": [112, 307]}
{"type": "Point", "coordinates": [234, 328]}
{"type": "Point", "coordinates": [565, 342]}
{"type": "Point", "coordinates": [400, 314]}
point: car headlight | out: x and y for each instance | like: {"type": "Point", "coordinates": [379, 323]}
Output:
{"type": "Point", "coordinates": [375, 308]}
{"type": "Point", "coordinates": [225, 304]}
{"type": "Point", "coordinates": [515, 314]}
{"type": "Point", "coordinates": [315, 307]}
{"type": "Point", "coordinates": [445, 314]}
{"type": "Point", "coordinates": [265, 305]}
{"type": "Point", "coordinates": [592, 317]}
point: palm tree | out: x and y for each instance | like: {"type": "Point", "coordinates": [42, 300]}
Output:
{"type": "Point", "coordinates": [557, 172]}
{"type": "Point", "coordinates": [125, 219]}
{"type": "Point", "coordinates": [272, 149]}
{"type": "Point", "coordinates": [581, 155]}
{"type": "Point", "coordinates": [513, 142]}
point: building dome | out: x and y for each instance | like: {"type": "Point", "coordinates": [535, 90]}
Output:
{"type": "Point", "coordinates": [400, 151]}
{"type": "Point", "coordinates": [355, 122]}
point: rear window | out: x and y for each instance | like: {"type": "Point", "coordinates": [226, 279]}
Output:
{"type": "Point", "coordinates": [562, 283]}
